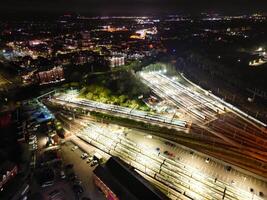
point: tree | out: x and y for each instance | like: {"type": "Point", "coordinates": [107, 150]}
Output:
{"type": "Point", "coordinates": [89, 95]}
{"type": "Point", "coordinates": [122, 99]}
{"type": "Point", "coordinates": [83, 91]}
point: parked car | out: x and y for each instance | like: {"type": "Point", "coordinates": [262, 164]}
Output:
{"type": "Point", "coordinates": [54, 194]}
{"type": "Point", "coordinates": [32, 142]}
{"type": "Point", "coordinates": [90, 159]}
{"type": "Point", "coordinates": [74, 148]}
{"type": "Point", "coordinates": [84, 155]}
{"type": "Point", "coordinates": [78, 189]}
{"type": "Point", "coordinates": [47, 184]}
{"type": "Point", "coordinates": [33, 137]}
{"type": "Point", "coordinates": [62, 174]}
{"type": "Point", "coordinates": [46, 177]}
{"type": "Point", "coordinates": [228, 168]}
{"type": "Point", "coordinates": [72, 176]}
{"type": "Point", "coordinates": [77, 182]}
{"type": "Point", "coordinates": [94, 163]}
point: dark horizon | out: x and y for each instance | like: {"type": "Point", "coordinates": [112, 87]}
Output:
{"type": "Point", "coordinates": [133, 7]}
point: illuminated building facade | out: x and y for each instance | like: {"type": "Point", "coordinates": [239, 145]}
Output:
{"type": "Point", "coordinates": [8, 171]}
{"type": "Point", "coordinates": [56, 74]}
{"type": "Point", "coordinates": [116, 61]}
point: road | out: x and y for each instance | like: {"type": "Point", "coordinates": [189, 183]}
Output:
{"type": "Point", "coordinates": [82, 169]}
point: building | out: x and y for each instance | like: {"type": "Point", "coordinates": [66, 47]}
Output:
{"type": "Point", "coordinates": [8, 171]}
{"type": "Point", "coordinates": [119, 181]}
{"type": "Point", "coordinates": [116, 61]}
{"type": "Point", "coordinates": [85, 39]}
{"type": "Point", "coordinates": [53, 75]}
{"type": "Point", "coordinates": [5, 119]}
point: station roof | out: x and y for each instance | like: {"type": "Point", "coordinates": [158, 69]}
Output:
{"type": "Point", "coordinates": [125, 182]}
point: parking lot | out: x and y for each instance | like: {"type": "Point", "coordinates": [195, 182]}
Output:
{"type": "Point", "coordinates": [168, 159]}
{"type": "Point", "coordinates": [211, 167]}
{"type": "Point", "coordinates": [172, 164]}
{"type": "Point", "coordinates": [62, 187]}
{"type": "Point", "coordinates": [59, 188]}
{"type": "Point", "coordinates": [82, 169]}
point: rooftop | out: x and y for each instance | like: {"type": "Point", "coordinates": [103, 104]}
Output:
{"type": "Point", "coordinates": [125, 182]}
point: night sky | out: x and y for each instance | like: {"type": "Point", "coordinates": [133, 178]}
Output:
{"type": "Point", "coordinates": [105, 7]}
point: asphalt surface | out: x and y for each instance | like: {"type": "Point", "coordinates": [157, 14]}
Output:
{"type": "Point", "coordinates": [146, 154]}
{"type": "Point", "coordinates": [82, 169]}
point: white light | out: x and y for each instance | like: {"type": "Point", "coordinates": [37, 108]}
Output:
{"type": "Point", "coordinates": [109, 143]}
{"type": "Point", "coordinates": [149, 136]}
